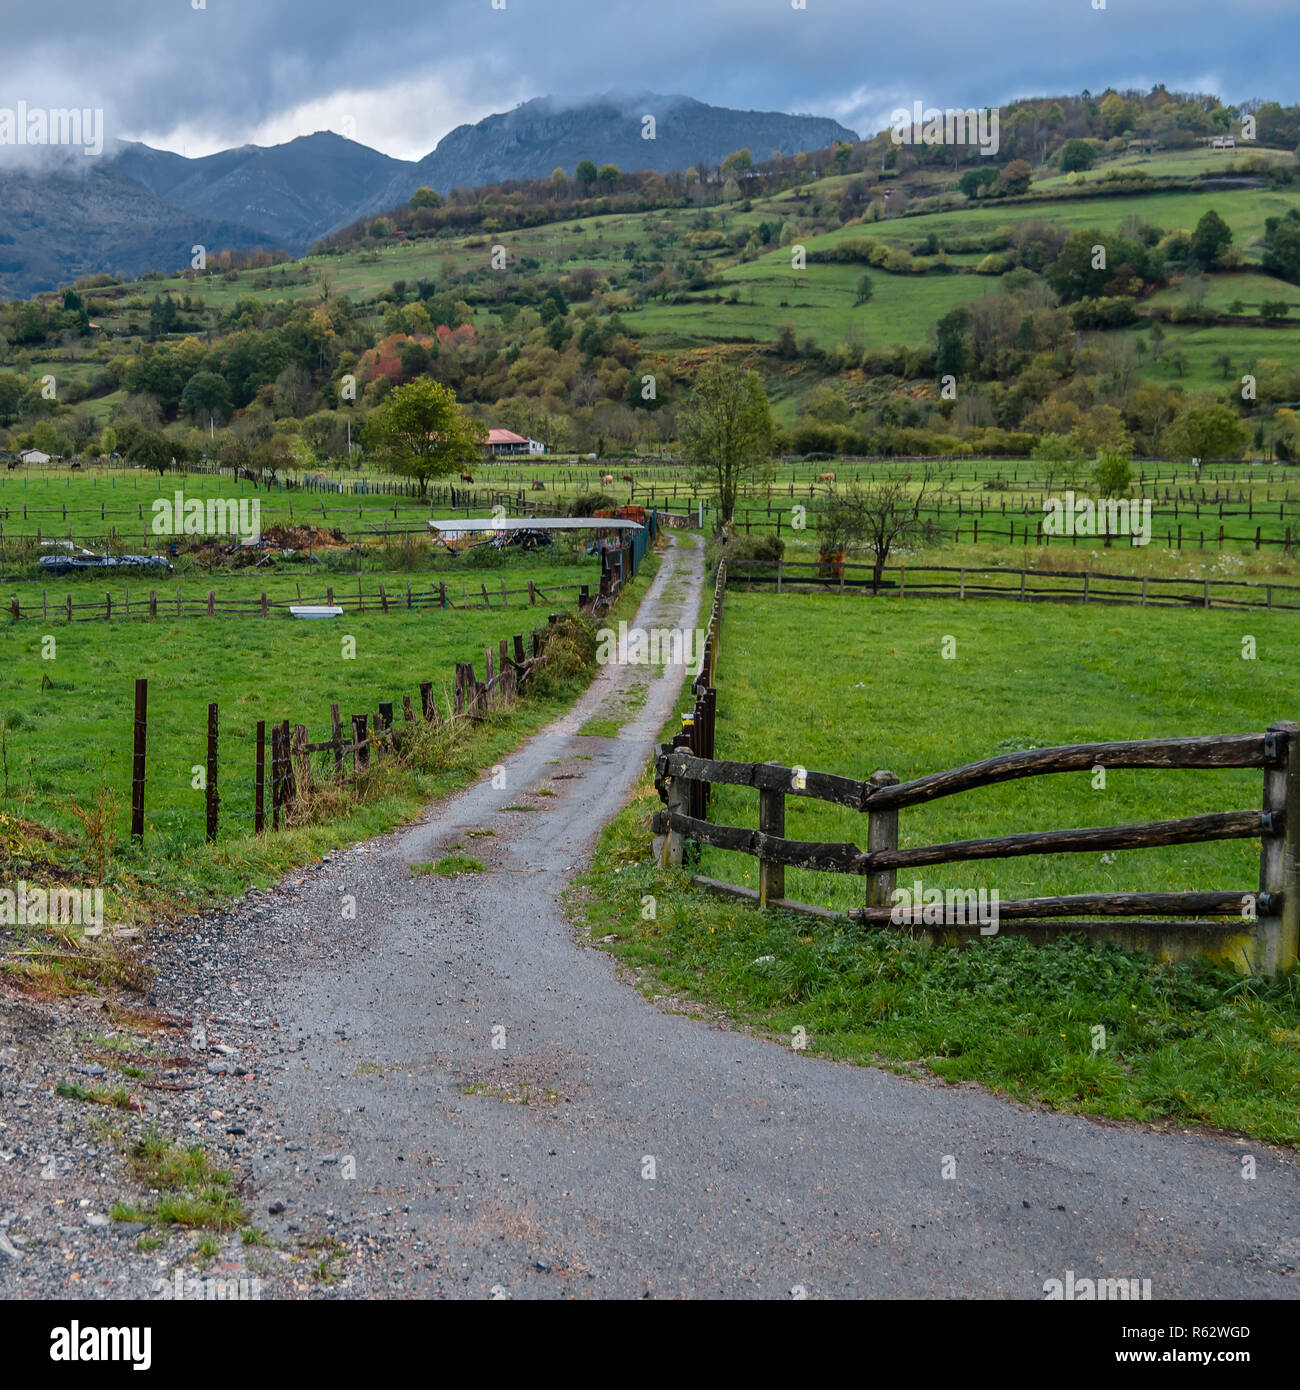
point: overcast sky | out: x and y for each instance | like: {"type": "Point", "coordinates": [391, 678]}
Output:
{"type": "Point", "coordinates": [397, 75]}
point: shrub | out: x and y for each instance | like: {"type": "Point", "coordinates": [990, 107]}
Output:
{"type": "Point", "coordinates": [589, 503]}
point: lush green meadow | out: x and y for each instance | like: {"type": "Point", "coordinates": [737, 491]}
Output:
{"type": "Point", "coordinates": [852, 685]}
{"type": "Point", "coordinates": [68, 719]}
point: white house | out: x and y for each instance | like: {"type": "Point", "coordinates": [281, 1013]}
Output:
{"type": "Point", "coordinates": [1223, 142]}
{"type": "Point", "coordinates": [33, 456]}
{"type": "Point", "coordinates": [508, 442]}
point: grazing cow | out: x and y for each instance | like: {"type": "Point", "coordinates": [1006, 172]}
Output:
{"type": "Point", "coordinates": [628, 478]}
{"type": "Point", "coordinates": [826, 477]}
{"type": "Point", "coordinates": [538, 485]}
{"type": "Point", "coordinates": [606, 479]}
{"type": "Point", "coordinates": [467, 477]}
{"type": "Point", "coordinates": [74, 465]}
{"type": "Point", "coordinates": [12, 466]}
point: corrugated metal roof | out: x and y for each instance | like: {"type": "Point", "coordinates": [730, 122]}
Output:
{"type": "Point", "coordinates": [532, 523]}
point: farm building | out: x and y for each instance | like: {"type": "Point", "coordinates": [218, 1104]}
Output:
{"type": "Point", "coordinates": [1223, 142]}
{"type": "Point", "coordinates": [505, 442]}
{"type": "Point", "coordinates": [33, 456]}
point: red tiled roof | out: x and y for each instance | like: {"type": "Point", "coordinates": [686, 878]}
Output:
{"type": "Point", "coordinates": [505, 437]}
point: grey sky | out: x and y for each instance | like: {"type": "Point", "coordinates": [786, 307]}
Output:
{"type": "Point", "coordinates": [398, 75]}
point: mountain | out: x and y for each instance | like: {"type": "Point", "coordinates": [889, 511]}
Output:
{"type": "Point", "coordinates": [289, 194]}
{"type": "Point", "coordinates": [543, 134]}
{"type": "Point", "coordinates": [141, 209]}
{"type": "Point", "coordinates": [61, 224]}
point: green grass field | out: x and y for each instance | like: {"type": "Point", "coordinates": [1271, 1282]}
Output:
{"type": "Point", "coordinates": [852, 685]}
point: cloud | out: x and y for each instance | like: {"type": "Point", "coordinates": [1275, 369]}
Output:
{"type": "Point", "coordinates": [240, 71]}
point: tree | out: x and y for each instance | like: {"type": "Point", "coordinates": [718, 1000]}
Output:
{"type": "Point", "coordinates": [881, 515]}
{"type": "Point", "coordinates": [726, 430]}
{"type": "Point", "coordinates": [11, 393]}
{"type": "Point", "coordinates": [1113, 473]}
{"type": "Point", "coordinates": [425, 198]}
{"type": "Point", "coordinates": [421, 432]}
{"type": "Point", "coordinates": [152, 450]}
{"type": "Point", "coordinates": [974, 181]}
{"type": "Point", "coordinates": [1282, 246]}
{"type": "Point", "coordinates": [585, 173]}
{"type": "Point", "coordinates": [950, 341]}
{"type": "Point", "coordinates": [205, 394]}
{"type": "Point", "coordinates": [609, 175]}
{"type": "Point", "coordinates": [1210, 240]}
{"type": "Point", "coordinates": [865, 290]}
{"type": "Point", "coordinates": [1206, 432]}
{"type": "Point", "coordinates": [1076, 156]}
{"type": "Point", "coordinates": [1015, 178]}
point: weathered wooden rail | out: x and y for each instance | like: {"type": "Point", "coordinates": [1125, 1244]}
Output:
{"type": "Point", "coordinates": [1265, 924]}
{"type": "Point", "coordinates": [151, 604]}
{"type": "Point", "coordinates": [1022, 585]}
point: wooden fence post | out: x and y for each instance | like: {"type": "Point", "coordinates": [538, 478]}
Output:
{"type": "Point", "coordinates": [675, 802]}
{"type": "Point", "coordinates": [336, 738]}
{"type": "Point", "coordinates": [882, 834]}
{"type": "Point", "coordinates": [213, 800]}
{"type": "Point", "coordinates": [771, 821]}
{"type": "Point", "coordinates": [361, 749]}
{"type": "Point", "coordinates": [259, 780]}
{"type": "Point", "coordinates": [1278, 933]}
{"type": "Point", "coordinates": [286, 767]}
{"type": "Point", "coordinates": [427, 706]}
{"type": "Point", "coordinates": [302, 757]}
{"type": "Point", "coordinates": [138, 757]}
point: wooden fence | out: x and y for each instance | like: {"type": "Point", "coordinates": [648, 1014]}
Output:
{"type": "Point", "coordinates": [697, 732]}
{"type": "Point", "coordinates": [1027, 585]}
{"type": "Point", "coordinates": [289, 778]}
{"type": "Point", "coordinates": [1261, 925]}
{"type": "Point", "coordinates": [381, 601]}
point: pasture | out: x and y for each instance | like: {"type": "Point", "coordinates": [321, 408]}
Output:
{"type": "Point", "coordinates": [852, 685]}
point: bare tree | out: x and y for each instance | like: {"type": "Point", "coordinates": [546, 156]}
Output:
{"type": "Point", "coordinates": [879, 517]}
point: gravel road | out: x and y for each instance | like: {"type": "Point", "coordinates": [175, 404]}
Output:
{"type": "Point", "coordinates": [447, 1094]}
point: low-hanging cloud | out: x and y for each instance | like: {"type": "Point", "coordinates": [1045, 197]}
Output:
{"type": "Point", "coordinates": [212, 73]}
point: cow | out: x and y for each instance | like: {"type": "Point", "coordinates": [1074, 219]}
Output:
{"type": "Point", "coordinates": [74, 465]}
{"type": "Point", "coordinates": [826, 477]}
{"type": "Point", "coordinates": [467, 477]}
{"type": "Point", "coordinates": [12, 466]}
{"type": "Point", "coordinates": [628, 478]}
{"type": "Point", "coordinates": [538, 485]}
{"type": "Point", "coordinates": [606, 479]}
